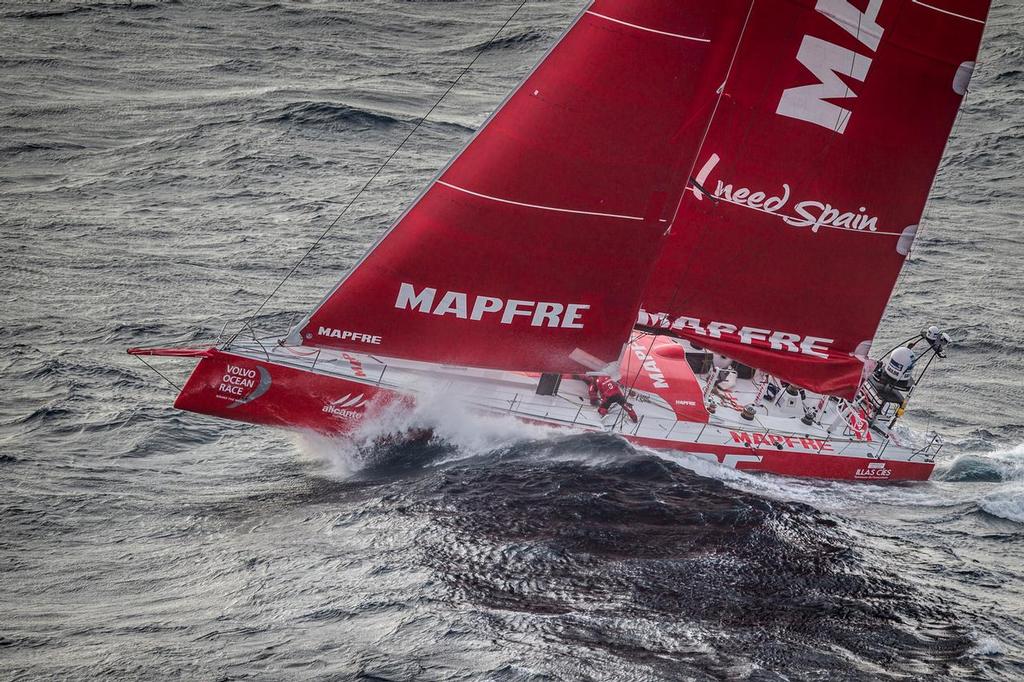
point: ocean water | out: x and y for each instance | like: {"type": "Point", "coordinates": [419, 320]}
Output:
{"type": "Point", "coordinates": [162, 166]}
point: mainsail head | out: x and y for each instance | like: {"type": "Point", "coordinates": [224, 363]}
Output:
{"type": "Point", "coordinates": [812, 181]}
{"type": "Point", "coordinates": [531, 249]}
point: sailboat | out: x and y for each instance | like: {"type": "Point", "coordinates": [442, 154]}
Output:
{"type": "Point", "coordinates": [682, 228]}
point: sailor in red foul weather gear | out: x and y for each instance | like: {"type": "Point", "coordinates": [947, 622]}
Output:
{"type": "Point", "coordinates": [604, 392]}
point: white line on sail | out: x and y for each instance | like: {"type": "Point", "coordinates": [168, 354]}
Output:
{"type": "Point", "coordinates": [946, 11]}
{"type": "Point", "coordinates": [651, 30]}
{"type": "Point", "coordinates": [537, 206]}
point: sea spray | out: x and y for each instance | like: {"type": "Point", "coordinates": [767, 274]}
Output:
{"type": "Point", "coordinates": [992, 467]}
{"type": "Point", "coordinates": [1007, 503]}
{"type": "Point", "coordinates": [1005, 468]}
{"type": "Point", "coordinates": [441, 416]}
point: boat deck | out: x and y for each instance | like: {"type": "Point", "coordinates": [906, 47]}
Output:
{"type": "Point", "coordinates": [776, 424]}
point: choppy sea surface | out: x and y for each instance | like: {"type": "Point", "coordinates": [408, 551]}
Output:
{"type": "Point", "coordinates": [162, 166]}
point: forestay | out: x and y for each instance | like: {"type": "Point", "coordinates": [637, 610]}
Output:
{"type": "Point", "coordinates": [816, 170]}
{"type": "Point", "coordinates": [531, 249]}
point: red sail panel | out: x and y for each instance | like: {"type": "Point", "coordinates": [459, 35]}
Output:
{"type": "Point", "coordinates": [819, 161]}
{"type": "Point", "coordinates": [531, 249]}
{"type": "Point", "coordinates": [658, 365]}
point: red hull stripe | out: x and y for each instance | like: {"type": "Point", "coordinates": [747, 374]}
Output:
{"type": "Point", "coordinates": [800, 464]}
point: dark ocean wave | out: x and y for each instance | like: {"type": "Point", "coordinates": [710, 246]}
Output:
{"type": "Point", "coordinates": [520, 40]}
{"type": "Point", "coordinates": [533, 529]}
{"type": "Point", "coordinates": [977, 469]}
{"type": "Point", "coordinates": [329, 115]}
{"type": "Point", "coordinates": [333, 116]}
{"type": "Point", "coordinates": [241, 66]}
{"type": "Point", "coordinates": [50, 13]}
{"type": "Point", "coordinates": [12, 150]}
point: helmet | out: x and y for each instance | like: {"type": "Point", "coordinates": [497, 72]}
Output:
{"type": "Point", "coordinates": [931, 333]}
{"type": "Point", "coordinates": [900, 364]}
{"type": "Point", "coordinates": [726, 379]}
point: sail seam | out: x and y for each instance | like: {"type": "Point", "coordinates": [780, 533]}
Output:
{"type": "Point", "coordinates": [538, 206]}
{"type": "Point", "coordinates": [650, 30]}
{"type": "Point", "coordinates": [946, 11]}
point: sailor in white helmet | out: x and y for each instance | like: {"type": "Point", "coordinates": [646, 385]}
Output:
{"type": "Point", "coordinates": [898, 369]}
{"type": "Point", "coordinates": [936, 339]}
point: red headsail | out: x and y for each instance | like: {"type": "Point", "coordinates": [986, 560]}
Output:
{"type": "Point", "coordinates": [812, 181]}
{"type": "Point", "coordinates": [531, 249]}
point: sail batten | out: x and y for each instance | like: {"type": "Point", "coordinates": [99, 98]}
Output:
{"type": "Point", "coordinates": [648, 28]}
{"type": "Point", "coordinates": [556, 209]}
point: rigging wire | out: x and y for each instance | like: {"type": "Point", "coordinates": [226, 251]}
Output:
{"type": "Point", "coordinates": [175, 386]}
{"type": "Point", "coordinates": [689, 176]}
{"type": "Point", "coordinates": [323, 235]}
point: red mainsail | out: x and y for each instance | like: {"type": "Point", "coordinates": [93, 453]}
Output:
{"type": "Point", "coordinates": [531, 249]}
{"type": "Point", "coordinates": [812, 181]}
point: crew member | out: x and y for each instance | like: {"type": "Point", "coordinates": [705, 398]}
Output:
{"type": "Point", "coordinates": [591, 383]}
{"type": "Point", "coordinates": [935, 338]}
{"type": "Point", "coordinates": [605, 392]}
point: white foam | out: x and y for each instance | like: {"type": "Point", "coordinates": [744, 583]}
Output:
{"type": "Point", "coordinates": [987, 646]}
{"type": "Point", "coordinates": [1011, 462]}
{"type": "Point", "coordinates": [1006, 503]}
{"type": "Point", "coordinates": [440, 413]}
{"type": "Point", "coordinates": [1008, 463]}
{"type": "Point", "coordinates": [341, 456]}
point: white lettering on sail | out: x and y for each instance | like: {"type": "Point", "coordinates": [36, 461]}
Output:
{"type": "Point", "coordinates": [407, 297]}
{"type": "Point", "coordinates": [812, 214]}
{"type": "Point", "coordinates": [515, 307]}
{"type": "Point", "coordinates": [815, 215]}
{"type": "Point", "coordinates": [716, 329]}
{"type": "Point", "coordinates": [650, 366]}
{"type": "Point", "coordinates": [485, 304]}
{"type": "Point", "coordinates": [573, 315]}
{"type": "Point", "coordinates": [814, 346]}
{"type": "Point", "coordinates": [784, 341]}
{"type": "Point", "coordinates": [453, 302]}
{"type": "Point", "coordinates": [750, 334]}
{"type": "Point", "coordinates": [547, 313]}
{"type": "Point", "coordinates": [346, 335]}
{"type": "Point", "coordinates": [825, 61]}
{"type": "Point", "coordinates": [476, 308]}
{"type": "Point", "coordinates": [861, 25]}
